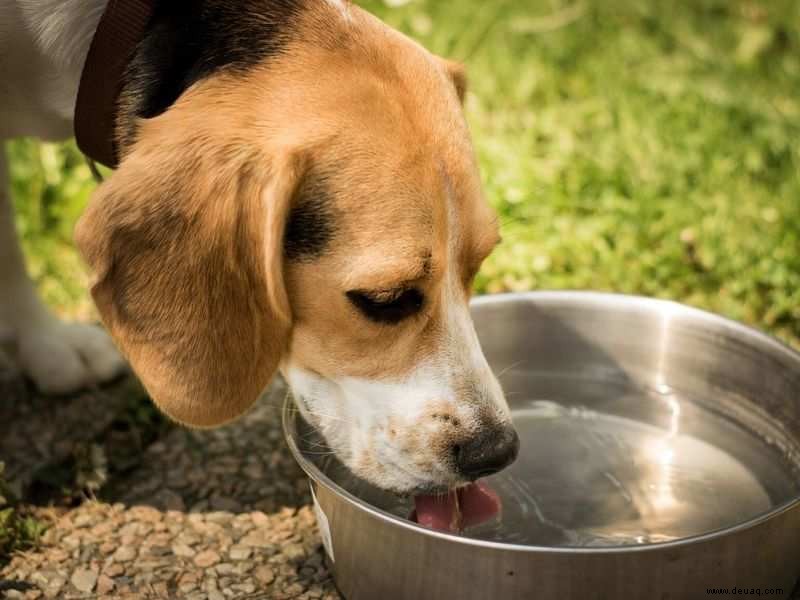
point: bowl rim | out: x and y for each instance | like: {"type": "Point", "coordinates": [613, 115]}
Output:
{"type": "Point", "coordinates": [313, 472]}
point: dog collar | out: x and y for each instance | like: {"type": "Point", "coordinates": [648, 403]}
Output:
{"type": "Point", "coordinates": [118, 33]}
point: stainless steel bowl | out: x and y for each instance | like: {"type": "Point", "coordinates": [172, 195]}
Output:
{"type": "Point", "coordinates": [660, 458]}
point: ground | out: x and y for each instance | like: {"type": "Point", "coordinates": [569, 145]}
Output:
{"type": "Point", "coordinates": [637, 147]}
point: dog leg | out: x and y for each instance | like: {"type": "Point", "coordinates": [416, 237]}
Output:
{"type": "Point", "coordinates": [58, 357]}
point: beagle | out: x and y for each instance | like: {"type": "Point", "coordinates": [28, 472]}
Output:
{"type": "Point", "coordinates": [297, 192]}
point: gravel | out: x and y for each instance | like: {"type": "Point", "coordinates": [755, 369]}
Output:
{"type": "Point", "coordinates": [206, 515]}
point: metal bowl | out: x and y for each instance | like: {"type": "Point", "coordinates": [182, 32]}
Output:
{"type": "Point", "coordinates": [660, 457]}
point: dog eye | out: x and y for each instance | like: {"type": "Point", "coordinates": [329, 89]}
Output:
{"type": "Point", "coordinates": [387, 307]}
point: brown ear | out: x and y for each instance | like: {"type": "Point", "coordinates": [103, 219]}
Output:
{"type": "Point", "coordinates": [458, 75]}
{"type": "Point", "coordinates": [185, 242]}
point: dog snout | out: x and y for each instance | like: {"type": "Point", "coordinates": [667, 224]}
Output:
{"type": "Point", "coordinates": [487, 453]}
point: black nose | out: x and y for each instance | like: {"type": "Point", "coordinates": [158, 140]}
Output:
{"type": "Point", "coordinates": [488, 453]}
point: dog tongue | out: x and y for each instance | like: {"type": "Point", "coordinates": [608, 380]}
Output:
{"type": "Point", "coordinates": [459, 509]}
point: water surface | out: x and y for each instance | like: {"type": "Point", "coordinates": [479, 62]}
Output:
{"type": "Point", "coordinates": [608, 464]}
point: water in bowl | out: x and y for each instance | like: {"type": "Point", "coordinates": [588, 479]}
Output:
{"type": "Point", "coordinates": [606, 463]}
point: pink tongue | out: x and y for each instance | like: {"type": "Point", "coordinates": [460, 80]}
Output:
{"type": "Point", "coordinates": [470, 505]}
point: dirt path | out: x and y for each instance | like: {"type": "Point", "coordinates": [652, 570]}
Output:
{"type": "Point", "coordinates": [198, 515]}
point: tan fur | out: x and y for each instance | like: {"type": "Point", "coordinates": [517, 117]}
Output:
{"type": "Point", "coordinates": [458, 75]}
{"type": "Point", "coordinates": [185, 239]}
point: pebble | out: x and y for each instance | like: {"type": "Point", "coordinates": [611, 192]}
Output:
{"type": "Point", "coordinates": [84, 580]}
{"type": "Point", "coordinates": [82, 521]}
{"type": "Point", "coordinates": [124, 554]}
{"type": "Point", "coordinates": [187, 587]}
{"type": "Point", "coordinates": [240, 552]}
{"type": "Point", "coordinates": [183, 550]}
{"type": "Point", "coordinates": [294, 589]}
{"type": "Point", "coordinates": [104, 584]}
{"type": "Point", "coordinates": [259, 519]}
{"type": "Point", "coordinates": [57, 555]}
{"type": "Point", "coordinates": [160, 550]}
{"type": "Point", "coordinates": [264, 574]}
{"type": "Point", "coordinates": [246, 588]}
{"type": "Point", "coordinates": [220, 517]}
{"type": "Point", "coordinates": [114, 569]}
{"type": "Point", "coordinates": [256, 539]}
{"type": "Point", "coordinates": [108, 547]}
{"type": "Point", "coordinates": [206, 558]}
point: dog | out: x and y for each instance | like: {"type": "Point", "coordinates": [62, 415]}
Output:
{"type": "Point", "coordinates": [297, 192]}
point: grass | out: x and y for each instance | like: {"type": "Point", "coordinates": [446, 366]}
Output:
{"type": "Point", "coordinates": [18, 532]}
{"type": "Point", "coordinates": [18, 529]}
{"type": "Point", "coordinates": [639, 147]}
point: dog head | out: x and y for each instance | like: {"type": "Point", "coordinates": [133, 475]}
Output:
{"type": "Point", "coordinates": [319, 212]}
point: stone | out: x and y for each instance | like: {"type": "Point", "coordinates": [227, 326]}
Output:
{"type": "Point", "coordinates": [160, 550]}
{"type": "Point", "coordinates": [84, 580]}
{"type": "Point", "coordinates": [246, 588]}
{"type": "Point", "coordinates": [259, 519]}
{"type": "Point", "coordinates": [53, 589]}
{"type": "Point", "coordinates": [183, 550]}
{"type": "Point", "coordinates": [56, 555]}
{"type": "Point", "coordinates": [161, 590]}
{"type": "Point", "coordinates": [146, 513]}
{"type": "Point", "coordinates": [114, 570]}
{"type": "Point", "coordinates": [125, 554]}
{"type": "Point", "coordinates": [264, 574]}
{"type": "Point", "coordinates": [187, 587]}
{"type": "Point", "coordinates": [104, 584]}
{"type": "Point", "coordinates": [294, 589]}
{"type": "Point", "coordinates": [130, 529]}
{"type": "Point", "coordinates": [82, 520]}
{"type": "Point", "coordinates": [108, 547]}
{"type": "Point", "coordinates": [175, 515]}
{"type": "Point", "coordinates": [240, 552]}
{"type": "Point", "coordinates": [103, 529]}
{"type": "Point", "coordinates": [206, 559]}
{"type": "Point", "coordinates": [256, 539]}
{"type": "Point", "coordinates": [219, 516]}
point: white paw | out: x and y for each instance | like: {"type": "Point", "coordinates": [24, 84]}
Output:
{"type": "Point", "coordinates": [65, 357]}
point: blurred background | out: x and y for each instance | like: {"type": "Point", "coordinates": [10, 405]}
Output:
{"type": "Point", "coordinates": [638, 147]}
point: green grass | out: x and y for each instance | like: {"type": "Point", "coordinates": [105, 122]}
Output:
{"type": "Point", "coordinates": [641, 147]}
{"type": "Point", "coordinates": [18, 530]}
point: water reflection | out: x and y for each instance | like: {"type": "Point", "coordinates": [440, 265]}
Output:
{"type": "Point", "coordinates": [657, 467]}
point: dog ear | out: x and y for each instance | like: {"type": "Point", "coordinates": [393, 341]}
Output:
{"type": "Point", "coordinates": [185, 242]}
{"type": "Point", "coordinates": [458, 75]}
